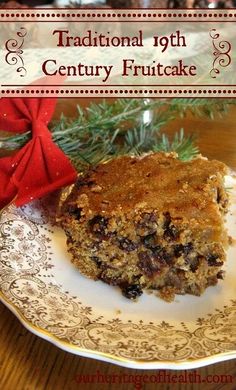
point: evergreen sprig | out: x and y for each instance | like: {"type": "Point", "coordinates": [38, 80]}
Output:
{"type": "Point", "coordinates": [105, 130]}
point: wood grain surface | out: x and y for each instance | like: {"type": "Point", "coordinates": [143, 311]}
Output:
{"type": "Point", "coordinates": [30, 363]}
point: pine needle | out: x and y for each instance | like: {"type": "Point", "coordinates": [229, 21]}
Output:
{"type": "Point", "coordinates": [183, 146]}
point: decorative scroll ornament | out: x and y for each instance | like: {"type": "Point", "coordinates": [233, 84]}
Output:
{"type": "Point", "coordinates": [14, 55]}
{"type": "Point", "coordinates": [221, 54]}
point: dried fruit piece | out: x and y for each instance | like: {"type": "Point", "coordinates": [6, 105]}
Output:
{"type": "Point", "coordinates": [132, 291]}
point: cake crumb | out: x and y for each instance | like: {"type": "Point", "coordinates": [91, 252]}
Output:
{"type": "Point", "coordinates": [232, 241]}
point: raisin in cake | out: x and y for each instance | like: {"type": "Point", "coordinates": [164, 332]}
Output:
{"type": "Point", "coordinates": [149, 222]}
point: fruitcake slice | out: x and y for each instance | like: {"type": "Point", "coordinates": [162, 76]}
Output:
{"type": "Point", "coordinates": [149, 222]}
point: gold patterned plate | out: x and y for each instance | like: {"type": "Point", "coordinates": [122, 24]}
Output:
{"type": "Point", "coordinates": [49, 296]}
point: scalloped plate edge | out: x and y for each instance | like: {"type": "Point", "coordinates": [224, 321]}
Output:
{"type": "Point", "coordinates": [136, 364]}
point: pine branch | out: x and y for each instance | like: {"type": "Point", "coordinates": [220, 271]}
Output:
{"type": "Point", "coordinates": [104, 130]}
{"type": "Point", "coordinates": [209, 108]}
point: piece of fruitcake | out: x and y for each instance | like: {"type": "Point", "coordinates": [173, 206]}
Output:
{"type": "Point", "coordinates": [150, 222]}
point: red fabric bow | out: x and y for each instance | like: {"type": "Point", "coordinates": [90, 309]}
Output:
{"type": "Point", "coordinates": [40, 166]}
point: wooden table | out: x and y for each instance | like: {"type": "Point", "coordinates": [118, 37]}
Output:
{"type": "Point", "coordinates": [29, 363]}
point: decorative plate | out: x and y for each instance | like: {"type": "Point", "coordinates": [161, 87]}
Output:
{"type": "Point", "coordinates": [49, 296]}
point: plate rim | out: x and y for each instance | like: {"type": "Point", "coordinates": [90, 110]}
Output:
{"type": "Point", "coordinates": [109, 358]}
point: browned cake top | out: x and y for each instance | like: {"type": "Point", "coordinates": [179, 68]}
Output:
{"type": "Point", "coordinates": [155, 181]}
